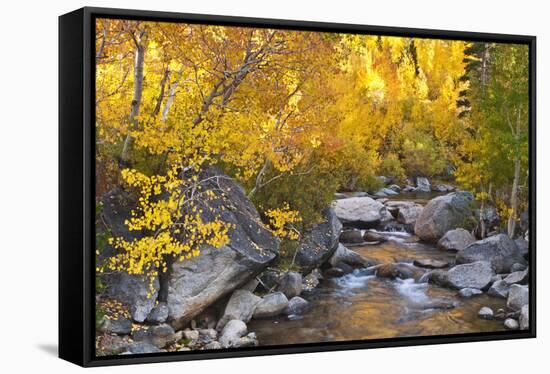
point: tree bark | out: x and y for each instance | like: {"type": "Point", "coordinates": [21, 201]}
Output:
{"type": "Point", "coordinates": [136, 100]}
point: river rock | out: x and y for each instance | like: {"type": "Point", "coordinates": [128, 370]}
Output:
{"type": "Point", "coordinates": [142, 347]}
{"type": "Point", "coordinates": [271, 305]}
{"type": "Point", "coordinates": [360, 212]}
{"type": "Point", "coordinates": [319, 243]}
{"type": "Point", "coordinates": [518, 296]}
{"type": "Point", "coordinates": [347, 256]}
{"type": "Point", "coordinates": [522, 246]}
{"type": "Point", "coordinates": [290, 284]}
{"type": "Point", "coordinates": [158, 314]}
{"type": "Point", "coordinates": [119, 326]}
{"type": "Point", "coordinates": [334, 272]}
{"type": "Point", "coordinates": [409, 214]}
{"type": "Point", "coordinates": [517, 267]}
{"type": "Point", "coordinates": [443, 188]}
{"type": "Point", "coordinates": [423, 184]}
{"type": "Point", "coordinates": [511, 324]}
{"type": "Point", "coordinates": [191, 334]}
{"type": "Point", "coordinates": [467, 293]}
{"type": "Point", "coordinates": [500, 250]}
{"type": "Point", "coordinates": [398, 270]}
{"type": "Point", "coordinates": [251, 285]}
{"type": "Point", "coordinates": [351, 236]}
{"type": "Point", "coordinates": [246, 341]}
{"type": "Point", "coordinates": [310, 281]}
{"type": "Point", "coordinates": [524, 318]}
{"type": "Point", "coordinates": [499, 289]}
{"type": "Point", "coordinates": [240, 306]}
{"type": "Point", "coordinates": [430, 263]}
{"type": "Point", "coordinates": [519, 277]}
{"type": "Point", "coordinates": [485, 313]}
{"type": "Point", "coordinates": [373, 236]}
{"type": "Point", "coordinates": [395, 187]}
{"type": "Point", "coordinates": [159, 336]}
{"type": "Point", "coordinates": [475, 275]}
{"type": "Point", "coordinates": [296, 306]}
{"type": "Point", "coordinates": [455, 240]}
{"type": "Point", "coordinates": [232, 332]}
{"type": "Point", "coordinates": [444, 213]}
{"type": "Point", "coordinates": [213, 345]}
{"type": "Point", "coordinates": [198, 282]}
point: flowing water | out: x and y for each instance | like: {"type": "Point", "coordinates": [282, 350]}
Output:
{"type": "Point", "coordinates": [359, 306]}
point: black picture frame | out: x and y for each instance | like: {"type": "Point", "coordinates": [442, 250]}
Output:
{"type": "Point", "coordinates": [77, 183]}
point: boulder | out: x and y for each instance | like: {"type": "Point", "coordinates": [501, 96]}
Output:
{"type": "Point", "coordinates": [523, 247]}
{"type": "Point", "coordinates": [191, 334]}
{"type": "Point", "coordinates": [159, 336]}
{"type": "Point", "coordinates": [524, 318]}
{"type": "Point", "coordinates": [475, 275]}
{"type": "Point", "coordinates": [271, 305]}
{"type": "Point", "coordinates": [395, 187]}
{"type": "Point", "coordinates": [499, 289]}
{"type": "Point", "coordinates": [455, 240]}
{"type": "Point", "coordinates": [360, 212]}
{"type": "Point", "coordinates": [142, 347]}
{"type": "Point", "coordinates": [241, 306]}
{"type": "Point", "coordinates": [197, 283]}
{"type": "Point", "coordinates": [423, 184]}
{"type": "Point", "coordinates": [290, 284]}
{"type": "Point", "coordinates": [310, 281]}
{"type": "Point", "coordinates": [485, 313]}
{"type": "Point", "coordinates": [519, 277]}
{"type": "Point", "coordinates": [444, 213]}
{"type": "Point", "coordinates": [232, 332]}
{"type": "Point", "coordinates": [409, 214]}
{"type": "Point", "coordinates": [398, 270]}
{"type": "Point", "coordinates": [296, 306]}
{"type": "Point", "coordinates": [467, 293]}
{"type": "Point", "coordinates": [511, 324]}
{"type": "Point", "coordinates": [499, 250]}
{"type": "Point", "coordinates": [319, 243]}
{"type": "Point", "coordinates": [518, 297]}
{"type": "Point", "coordinates": [517, 267]}
{"type": "Point", "coordinates": [373, 236]}
{"type": "Point", "coordinates": [347, 256]}
{"type": "Point", "coordinates": [158, 314]}
{"type": "Point", "coordinates": [119, 326]}
{"type": "Point", "coordinates": [132, 291]}
{"type": "Point", "coordinates": [213, 345]}
{"type": "Point", "coordinates": [351, 236]}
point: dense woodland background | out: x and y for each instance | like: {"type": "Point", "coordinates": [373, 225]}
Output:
{"type": "Point", "coordinates": [296, 117]}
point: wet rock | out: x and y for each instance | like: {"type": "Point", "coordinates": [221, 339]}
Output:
{"type": "Point", "coordinates": [518, 296]}
{"type": "Point", "coordinates": [499, 250]}
{"type": "Point", "coordinates": [240, 306]}
{"type": "Point", "coordinates": [271, 305]}
{"type": "Point", "coordinates": [334, 272]}
{"type": "Point", "coordinates": [296, 306]}
{"type": "Point", "coordinates": [444, 213]}
{"type": "Point", "coordinates": [511, 324]}
{"type": "Point", "coordinates": [119, 326]}
{"type": "Point", "coordinates": [475, 275]}
{"type": "Point", "coordinates": [373, 236]}
{"type": "Point", "coordinates": [159, 336]}
{"type": "Point", "coordinates": [519, 277]}
{"type": "Point", "coordinates": [524, 318]}
{"type": "Point", "coordinates": [351, 236]}
{"type": "Point", "coordinates": [423, 184]}
{"type": "Point", "coordinates": [443, 304]}
{"type": "Point", "coordinates": [158, 314]}
{"type": "Point", "coordinates": [467, 293]}
{"type": "Point", "coordinates": [485, 313]}
{"type": "Point", "coordinates": [499, 289]}
{"type": "Point", "coordinates": [347, 256]}
{"type": "Point", "coordinates": [142, 347]}
{"type": "Point", "coordinates": [232, 332]}
{"type": "Point", "coordinates": [360, 212]}
{"type": "Point", "coordinates": [430, 263]}
{"type": "Point", "coordinates": [455, 240]}
{"type": "Point", "coordinates": [310, 281]}
{"type": "Point", "coordinates": [319, 243]}
{"type": "Point", "coordinates": [409, 214]}
{"type": "Point", "coordinates": [398, 270]}
{"type": "Point", "coordinates": [290, 284]}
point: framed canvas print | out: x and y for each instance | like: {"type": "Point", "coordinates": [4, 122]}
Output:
{"type": "Point", "coordinates": [236, 186]}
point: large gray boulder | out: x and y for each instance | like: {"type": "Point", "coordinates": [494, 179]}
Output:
{"type": "Point", "coordinates": [475, 275]}
{"type": "Point", "coordinates": [519, 277]}
{"type": "Point", "coordinates": [518, 297]}
{"type": "Point", "coordinates": [271, 305]}
{"type": "Point", "coordinates": [455, 240]}
{"type": "Point", "coordinates": [423, 184]}
{"type": "Point", "coordinates": [347, 256]}
{"type": "Point", "coordinates": [361, 212]}
{"type": "Point", "coordinates": [499, 289]}
{"type": "Point", "coordinates": [197, 283]}
{"type": "Point", "coordinates": [240, 306]}
{"type": "Point", "coordinates": [444, 213]}
{"type": "Point", "coordinates": [232, 332]}
{"type": "Point", "coordinates": [319, 242]}
{"type": "Point", "coordinates": [409, 214]}
{"type": "Point", "coordinates": [499, 250]}
{"type": "Point", "coordinates": [291, 284]}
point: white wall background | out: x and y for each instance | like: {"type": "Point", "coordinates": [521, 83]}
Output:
{"type": "Point", "coordinates": [28, 184]}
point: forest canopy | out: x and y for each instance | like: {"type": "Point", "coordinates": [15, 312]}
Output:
{"type": "Point", "coordinates": [296, 117]}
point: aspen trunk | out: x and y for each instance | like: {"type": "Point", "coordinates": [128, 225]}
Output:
{"type": "Point", "coordinates": [514, 200]}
